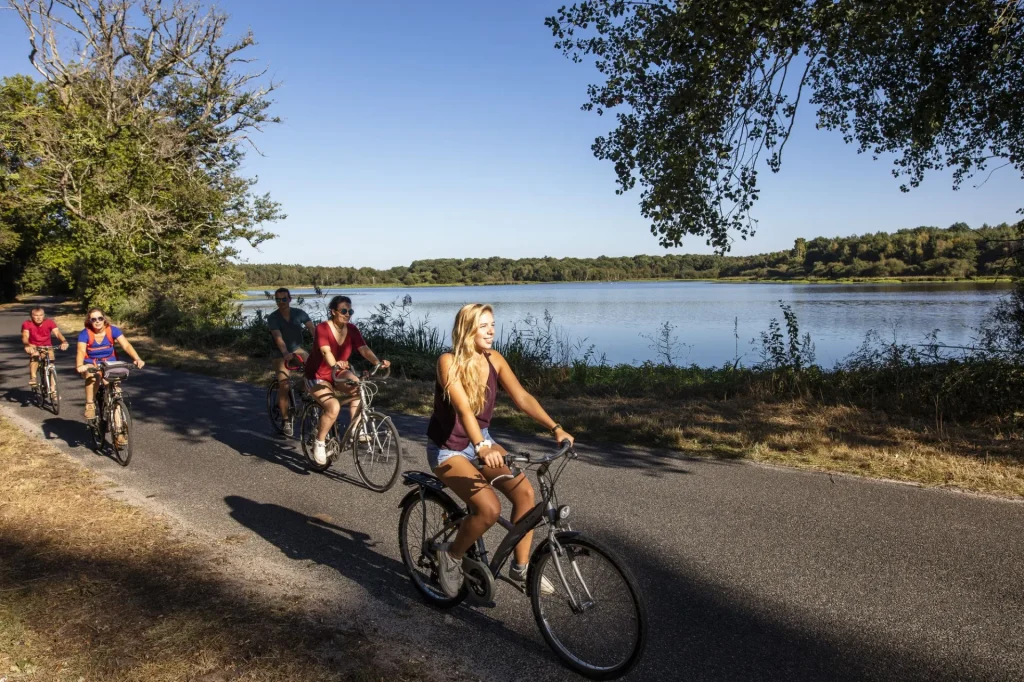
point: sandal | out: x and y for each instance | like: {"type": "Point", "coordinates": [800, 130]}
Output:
{"type": "Point", "coordinates": [90, 410]}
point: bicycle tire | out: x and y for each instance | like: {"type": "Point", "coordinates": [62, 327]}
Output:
{"type": "Point", "coordinates": [54, 391]}
{"type": "Point", "coordinates": [603, 661]}
{"type": "Point", "coordinates": [425, 581]}
{"type": "Point", "coordinates": [308, 425]}
{"type": "Point", "coordinates": [274, 412]}
{"type": "Point", "coordinates": [122, 453]}
{"type": "Point", "coordinates": [37, 391]}
{"type": "Point", "coordinates": [384, 448]}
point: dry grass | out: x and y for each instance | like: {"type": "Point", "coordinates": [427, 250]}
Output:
{"type": "Point", "coordinates": [801, 434]}
{"type": "Point", "coordinates": [793, 433]}
{"type": "Point", "coordinates": [94, 589]}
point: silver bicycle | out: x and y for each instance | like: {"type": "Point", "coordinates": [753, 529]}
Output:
{"type": "Point", "coordinates": [372, 436]}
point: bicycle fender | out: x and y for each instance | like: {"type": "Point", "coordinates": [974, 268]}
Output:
{"type": "Point", "coordinates": [443, 498]}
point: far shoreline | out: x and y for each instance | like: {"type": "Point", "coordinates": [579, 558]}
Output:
{"type": "Point", "coordinates": [716, 280]}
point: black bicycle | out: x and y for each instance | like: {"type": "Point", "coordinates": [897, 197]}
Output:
{"type": "Point", "coordinates": [46, 389]}
{"type": "Point", "coordinates": [584, 599]}
{"type": "Point", "coordinates": [372, 436]}
{"type": "Point", "coordinates": [113, 413]}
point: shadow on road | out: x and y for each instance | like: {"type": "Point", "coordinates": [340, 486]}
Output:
{"type": "Point", "coordinates": [73, 432]}
{"type": "Point", "coordinates": [353, 554]}
{"type": "Point", "coordinates": [706, 631]}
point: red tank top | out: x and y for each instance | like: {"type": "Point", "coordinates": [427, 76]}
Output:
{"type": "Point", "coordinates": [445, 428]}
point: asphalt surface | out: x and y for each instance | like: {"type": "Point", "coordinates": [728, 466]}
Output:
{"type": "Point", "coordinates": [749, 572]}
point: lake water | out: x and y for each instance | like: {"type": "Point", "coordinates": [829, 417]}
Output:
{"type": "Point", "coordinates": [616, 316]}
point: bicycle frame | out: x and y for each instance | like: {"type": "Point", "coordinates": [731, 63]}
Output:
{"type": "Point", "coordinates": [546, 511]}
{"type": "Point", "coordinates": [45, 363]}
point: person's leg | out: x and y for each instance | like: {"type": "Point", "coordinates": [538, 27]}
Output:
{"type": "Point", "coordinates": [90, 394]}
{"type": "Point", "coordinates": [466, 481]}
{"type": "Point", "coordinates": [519, 492]}
{"type": "Point", "coordinates": [33, 366]}
{"type": "Point", "coordinates": [281, 376]}
{"type": "Point", "coordinates": [347, 390]}
{"type": "Point", "coordinates": [330, 408]}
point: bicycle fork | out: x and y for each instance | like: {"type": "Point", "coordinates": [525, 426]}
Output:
{"type": "Point", "coordinates": [578, 604]}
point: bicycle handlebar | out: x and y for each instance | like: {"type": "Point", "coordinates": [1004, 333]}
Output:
{"type": "Point", "coordinates": [527, 458]}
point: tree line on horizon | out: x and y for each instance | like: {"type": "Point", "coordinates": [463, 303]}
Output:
{"type": "Point", "coordinates": [957, 251]}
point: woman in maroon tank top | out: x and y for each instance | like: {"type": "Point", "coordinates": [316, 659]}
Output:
{"type": "Point", "coordinates": [464, 395]}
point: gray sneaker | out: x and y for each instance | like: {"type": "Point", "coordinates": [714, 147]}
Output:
{"type": "Point", "coordinates": [287, 428]}
{"type": "Point", "coordinates": [519, 577]}
{"type": "Point", "coordinates": [449, 573]}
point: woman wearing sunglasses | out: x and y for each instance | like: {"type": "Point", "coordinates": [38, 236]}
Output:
{"type": "Point", "coordinates": [96, 344]}
{"type": "Point", "coordinates": [335, 340]}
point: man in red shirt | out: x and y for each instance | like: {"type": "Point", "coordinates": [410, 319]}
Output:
{"type": "Point", "coordinates": [37, 331]}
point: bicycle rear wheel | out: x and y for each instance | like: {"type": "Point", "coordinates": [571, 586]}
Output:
{"type": "Point", "coordinates": [54, 391]}
{"type": "Point", "coordinates": [420, 520]}
{"type": "Point", "coordinates": [308, 425]}
{"type": "Point", "coordinates": [377, 451]}
{"type": "Point", "coordinates": [120, 426]}
{"type": "Point", "coordinates": [594, 619]}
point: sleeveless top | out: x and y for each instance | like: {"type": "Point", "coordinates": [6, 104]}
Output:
{"type": "Point", "coordinates": [445, 428]}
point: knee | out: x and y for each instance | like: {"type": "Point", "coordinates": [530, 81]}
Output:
{"type": "Point", "coordinates": [332, 409]}
{"type": "Point", "coordinates": [488, 511]}
{"type": "Point", "coordinates": [525, 490]}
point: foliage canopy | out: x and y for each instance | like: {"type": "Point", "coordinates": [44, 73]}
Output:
{"type": "Point", "coordinates": [704, 90]}
{"type": "Point", "coordinates": [120, 167]}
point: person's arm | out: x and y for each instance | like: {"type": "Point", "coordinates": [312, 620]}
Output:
{"type": "Point", "coordinates": [523, 400]}
{"type": "Point", "coordinates": [60, 337]}
{"type": "Point", "coordinates": [80, 366]}
{"type": "Point", "coordinates": [371, 357]}
{"type": "Point", "coordinates": [123, 342]}
{"type": "Point", "coordinates": [279, 342]}
{"type": "Point", "coordinates": [29, 348]}
{"type": "Point", "coordinates": [460, 401]}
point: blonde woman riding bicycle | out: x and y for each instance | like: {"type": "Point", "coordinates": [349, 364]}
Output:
{"type": "Point", "coordinates": [459, 440]}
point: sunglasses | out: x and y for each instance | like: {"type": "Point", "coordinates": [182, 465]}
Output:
{"type": "Point", "coordinates": [96, 319]}
{"type": "Point", "coordinates": [346, 311]}
{"type": "Point", "coordinates": [281, 300]}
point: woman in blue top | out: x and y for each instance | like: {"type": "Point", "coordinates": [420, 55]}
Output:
{"type": "Point", "coordinates": [95, 344]}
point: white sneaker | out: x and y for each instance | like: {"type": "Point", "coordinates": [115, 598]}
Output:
{"type": "Point", "coordinates": [287, 428]}
{"type": "Point", "coordinates": [320, 452]}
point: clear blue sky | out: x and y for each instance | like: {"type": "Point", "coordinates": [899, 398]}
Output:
{"type": "Point", "coordinates": [428, 130]}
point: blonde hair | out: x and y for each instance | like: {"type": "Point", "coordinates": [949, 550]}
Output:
{"type": "Point", "coordinates": [463, 369]}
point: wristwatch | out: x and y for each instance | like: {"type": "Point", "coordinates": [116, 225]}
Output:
{"type": "Point", "coordinates": [485, 443]}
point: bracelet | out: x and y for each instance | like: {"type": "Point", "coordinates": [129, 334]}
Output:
{"type": "Point", "coordinates": [555, 427]}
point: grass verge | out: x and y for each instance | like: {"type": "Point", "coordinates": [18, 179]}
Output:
{"type": "Point", "coordinates": [94, 589]}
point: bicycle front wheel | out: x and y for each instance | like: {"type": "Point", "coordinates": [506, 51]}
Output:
{"type": "Point", "coordinates": [588, 609]}
{"type": "Point", "coordinates": [120, 425]}
{"type": "Point", "coordinates": [377, 451]}
{"type": "Point", "coordinates": [274, 410]}
{"type": "Point", "coordinates": [54, 391]}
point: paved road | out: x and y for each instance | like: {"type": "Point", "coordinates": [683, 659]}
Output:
{"type": "Point", "coordinates": [751, 573]}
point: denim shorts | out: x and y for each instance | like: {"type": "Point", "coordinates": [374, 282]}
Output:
{"type": "Point", "coordinates": [436, 456]}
